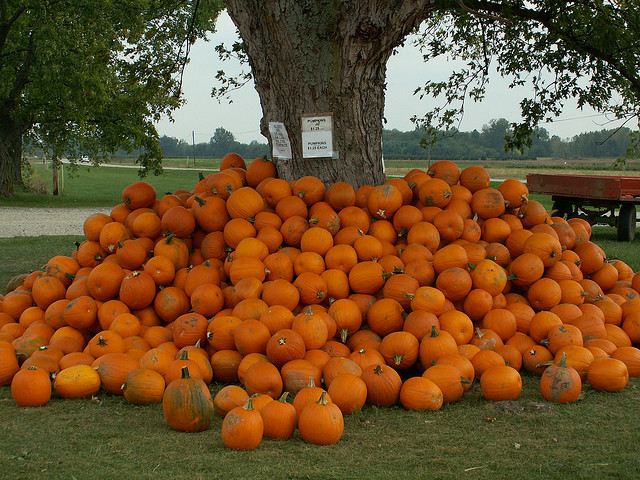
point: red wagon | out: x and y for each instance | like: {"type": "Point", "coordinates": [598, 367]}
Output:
{"type": "Point", "coordinates": [600, 199]}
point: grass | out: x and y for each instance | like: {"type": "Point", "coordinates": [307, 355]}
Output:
{"type": "Point", "coordinates": [105, 438]}
{"type": "Point", "coordinates": [97, 187]}
{"type": "Point", "coordinates": [527, 438]}
{"type": "Point", "coordinates": [102, 186]}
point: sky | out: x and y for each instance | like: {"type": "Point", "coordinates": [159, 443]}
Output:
{"type": "Point", "coordinates": [406, 71]}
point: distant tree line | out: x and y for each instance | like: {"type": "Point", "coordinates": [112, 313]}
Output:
{"type": "Point", "coordinates": [488, 143]}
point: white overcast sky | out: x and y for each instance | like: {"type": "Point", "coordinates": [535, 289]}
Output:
{"type": "Point", "coordinates": [405, 72]}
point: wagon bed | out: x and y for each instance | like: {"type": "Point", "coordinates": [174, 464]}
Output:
{"type": "Point", "coordinates": [600, 199]}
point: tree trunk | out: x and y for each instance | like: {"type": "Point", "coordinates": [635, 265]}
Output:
{"type": "Point", "coordinates": [56, 175]}
{"type": "Point", "coordinates": [326, 57]}
{"type": "Point", "coordinates": [10, 156]}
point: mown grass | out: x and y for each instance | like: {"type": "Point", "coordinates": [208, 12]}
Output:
{"type": "Point", "coordinates": [102, 186]}
{"type": "Point", "coordinates": [97, 187]}
{"type": "Point", "coordinates": [106, 438]}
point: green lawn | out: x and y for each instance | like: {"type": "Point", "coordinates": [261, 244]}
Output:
{"type": "Point", "coordinates": [473, 438]}
{"type": "Point", "coordinates": [98, 187]}
{"type": "Point", "coordinates": [106, 438]}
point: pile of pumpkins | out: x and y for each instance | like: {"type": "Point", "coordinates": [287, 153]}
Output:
{"type": "Point", "coordinates": [406, 292]}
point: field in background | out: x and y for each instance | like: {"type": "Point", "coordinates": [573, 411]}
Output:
{"type": "Point", "coordinates": [101, 186]}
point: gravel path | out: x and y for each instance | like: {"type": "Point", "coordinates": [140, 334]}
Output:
{"type": "Point", "coordinates": [34, 222]}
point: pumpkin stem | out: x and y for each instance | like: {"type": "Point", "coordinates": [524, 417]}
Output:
{"type": "Point", "coordinates": [397, 358]}
{"type": "Point", "coordinates": [248, 405]}
{"type": "Point", "coordinates": [185, 372]}
{"type": "Point", "coordinates": [545, 342]}
{"type": "Point", "coordinates": [434, 331]}
{"type": "Point", "coordinates": [563, 360]}
{"type": "Point", "coordinates": [199, 200]}
{"type": "Point", "coordinates": [312, 383]}
{"type": "Point", "coordinates": [185, 355]}
{"type": "Point", "coordinates": [378, 370]}
{"type": "Point", "coordinates": [545, 364]}
{"type": "Point", "coordinates": [283, 397]}
{"type": "Point", "coordinates": [464, 381]}
{"type": "Point", "coordinates": [323, 399]}
{"type": "Point", "coordinates": [344, 333]}
{"type": "Point", "coordinates": [308, 311]}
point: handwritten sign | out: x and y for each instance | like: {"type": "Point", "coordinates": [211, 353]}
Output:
{"type": "Point", "coordinates": [317, 136]}
{"type": "Point", "coordinates": [281, 146]}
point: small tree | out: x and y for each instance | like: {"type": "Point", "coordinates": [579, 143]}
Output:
{"type": "Point", "coordinates": [81, 76]}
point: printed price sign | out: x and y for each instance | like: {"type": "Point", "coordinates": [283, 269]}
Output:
{"type": "Point", "coordinates": [281, 145]}
{"type": "Point", "coordinates": [317, 136]}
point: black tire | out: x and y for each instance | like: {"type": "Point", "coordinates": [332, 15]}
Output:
{"type": "Point", "coordinates": [627, 222]}
{"type": "Point", "coordinates": [562, 208]}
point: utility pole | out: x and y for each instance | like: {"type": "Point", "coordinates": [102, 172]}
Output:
{"type": "Point", "coordinates": [193, 141]}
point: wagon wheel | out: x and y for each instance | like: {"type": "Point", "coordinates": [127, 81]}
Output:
{"type": "Point", "coordinates": [562, 208]}
{"type": "Point", "coordinates": [627, 222]}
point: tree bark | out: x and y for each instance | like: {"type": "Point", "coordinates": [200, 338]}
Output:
{"type": "Point", "coordinates": [10, 156]}
{"type": "Point", "coordinates": [315, 57]}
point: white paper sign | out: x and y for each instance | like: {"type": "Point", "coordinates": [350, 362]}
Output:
{"type": "Point", "coordinates": [280, 141]}
{"type": "Point", "coordinates": [317, 136]}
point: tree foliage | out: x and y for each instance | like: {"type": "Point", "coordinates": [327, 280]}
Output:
{"type": "Point", "coordinates": [588, 51]}
{"type": "Point", "coordinates": [83, 77]}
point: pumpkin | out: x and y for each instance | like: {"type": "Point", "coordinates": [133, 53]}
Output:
{"type": "Point", "coordinates": [285, 345]}
{"type": "Point", "coordinates": [475, 178]}
{"type": "Point", "coordinates": [296, 374]}
{"type": "Point", "coordinates": [338, 364]}
{"type": "Point", "coordinates": [383, 201]}
{"type": "Point", "coordinates": [279, 419]}
{"type": "Point", "coordinates": [399, 349]}
{"type": "Point", "coordinates": [138, 195]}
{"type": "Point", "coordinates": [79, 381]}
{"type": "Point", "coordinates": [113, 369]}
{"type": "Point", "coordinates": [449, 379]}
{"type": "Point", "coordinates": [31, 387]}
{"type": "Point", "coordinates": [515, 192]}
{"type": "Point", "coordinates": [419, 393]}
{"type": "Point", "coordinates": [228, 398]}
{"type": "Point", "coordinates": [143, 386]}
{"type": "Point", "coordinates": [608, 375]}
{"type": "Point", "coordinates": [501, 383]}
{"type": "Point", "coordinates": [263, 378]}
{"type": "Point", "coordinates": [308, 394]}
{"type": "Point", "coordinates": [383, 385]}
{"type": "Point", "coordinates": [487, 203]}
{"type": "Point", "coordinates": [435, 345]}
{"type": "Point", "coordinates": [630, 356]}
{"type": "Point", "coordinates": [561, 383]}
{"type": "Point", "coordinates": [348, 392]}
{"type": "Point", "coordinates": [321, 422]}
{"type": "Point", "coordinates": [187, 404]}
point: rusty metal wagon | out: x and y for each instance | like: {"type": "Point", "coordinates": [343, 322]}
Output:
{"type": "Point", "coordinates": [600, 199]}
